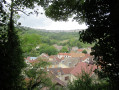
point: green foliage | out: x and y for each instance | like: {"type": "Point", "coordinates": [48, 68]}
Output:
{"type": "Point", "coordinates": [38, 76]}
{"type": "Point", "coordinates": [49, 36]}
{"type": "Point", "coordinates": [85, 82]}
{"type": "Point", "coordinates": [58, 87]}
{"type": "Point", "coordinates": [12, 61]}
{"type": "Point", "coordinates": [50, 50]}
{"type": "Point", "coordinates": [72, 42]}
{"type": "Point", "coordinates": [103, 30]}
{"type": "Point", "coordinates": [64, 50]}
{"type": "Point", "coordinates": [84, 51]}
{"type": "Point", "coordinates": [32, 38]}
{"type": "Point", "coordinates": [29, 42]}
{"type": "Point", "coordinates": [11, 54]}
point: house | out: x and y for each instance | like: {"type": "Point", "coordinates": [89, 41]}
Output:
{"type": "Point", "coordinates": [57, 72]}
{"type": "Point", "coordinates": [61, 65]}
{"type": "Point", "coordinates": [70, 62]}
{"type": "Point", "coordinates": [52, 57]}
{"type": "Point", "coordinates": [62, 73]}
{"type": "Point", "coordinates": [30, 60]}
{"type": "Point", "coordinates": [77, 55]}
{"type": "Point", "coordinates": [65, 55]}
{"type": "Point", "coordinates": [70, 74]}
{"type": "Point", "coordinates": [44, 55]}
{"type": "Point", "coordinates": [56, 81]}
{"type": "Point", "coordinates": [66, 77]}
{"type": "Point", "coordinates": [82, 66]}
{"type": "Point", "coordinates": [54, 60]}
{"type": "Point", "coordinates": [80, 50]}
{"type": "Point", "coordinates": [54, 63]}
{"type": "Point", "coordinates": [88, 59]}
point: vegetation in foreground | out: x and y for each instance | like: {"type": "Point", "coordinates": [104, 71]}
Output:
{"type": "Point", "coordinates": [85, 82]}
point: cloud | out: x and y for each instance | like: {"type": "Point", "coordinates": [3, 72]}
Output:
{"type": "Point", "coordinates": [65, 26]}
{"type": "Point", "coordinates": [42, 22]}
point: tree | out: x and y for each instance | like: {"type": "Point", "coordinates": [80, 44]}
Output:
{"type": "Point", "coordinates": [11, 55]}
{"type": "Point", "coordinates": [29, 42]}
{"type": "Point", "coordinates": [38, 75]}
{"type": "Point", "coordinates": [84, 51]}
{"type": "Point", "coordinates": [86, 82]}
{"type": "Point", "coordinates": [50, 50]}
{"type": "Point", "coordinates": [12, 60]}
{"type": "Point", "coordinates": [102, 20]}
{"type": "Point", "coordinates": [103, 30]}
{"type": "Point", "coordinates": [64, 50]}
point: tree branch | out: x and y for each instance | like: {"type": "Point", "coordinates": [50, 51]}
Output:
{"type": "Point", "coordinates": [22, 12]}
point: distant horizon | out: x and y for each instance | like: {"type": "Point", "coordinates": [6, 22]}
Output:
{"type": "Point", "coordinates": [58, 30]}
{"type": "Point", "coordinates": [40, 29]}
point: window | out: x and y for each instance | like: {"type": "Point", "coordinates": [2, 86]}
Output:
{"type": "Point", "coordinates": [69, 63]}
{"type": "Point", "coordinates": [67, 78]}
{"type": "Point", "coordinates": [62, 61]}
{"type": "Point", "coordinates": [59, 73]}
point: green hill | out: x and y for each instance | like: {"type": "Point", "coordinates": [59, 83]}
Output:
{"type": "Point", "coordinates": [31, 38]}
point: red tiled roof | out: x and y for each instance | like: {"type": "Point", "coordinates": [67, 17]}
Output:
{"type": "Point", "coordinates": [52, 56]}
{"type": "Point", "coordinates": [57, 59]}
{"type": "Point", "coordinates": [68, 54]}
{"type": "Point", "coordinates": [33, 61]}
{"type": "Point", "coordinates": [55, 79]}
{"type": "Point", "coordinates": [44, 55]}
{"type": "Point", "coordinates": [87, 55]}
{"type": "Point", "coordinates": [77, 54]}
{"type": "Point", "coordinates": [62, 58]}
{"type": "Point", "coordinates": [83, 67]}
{"type": "Point", "coordinates": [67, 70]}
{"type": "Point", "coordinates": [58, 81]}
{"type": "Point", "coordinates": [84, 58]}
{"type": "Point", "coordinates": [28, 58]}
{"type": "Point", "coordinates": [80, 50]}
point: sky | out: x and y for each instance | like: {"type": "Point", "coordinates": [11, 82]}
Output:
{"type": "Point", "coordinates": [43, 22]}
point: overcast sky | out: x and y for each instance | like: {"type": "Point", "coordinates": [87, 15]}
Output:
{"type": "Point", "coordinates": [42, 22]}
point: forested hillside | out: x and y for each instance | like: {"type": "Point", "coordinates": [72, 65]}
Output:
{"type": "Point", "coordinates": [32, 39]}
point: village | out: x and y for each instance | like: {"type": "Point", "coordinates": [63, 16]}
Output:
{"type": "Point", "coordinates": [66, 67]}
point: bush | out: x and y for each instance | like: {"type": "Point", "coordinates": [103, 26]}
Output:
{"type": "Point", "coordinates": [84, 51]}
{"type": "Point", "coordinates": [85, 82]}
